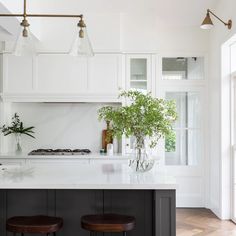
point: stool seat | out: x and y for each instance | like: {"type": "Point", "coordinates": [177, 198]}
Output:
{"type": "Point", "coordinates": [34, 224]}
{"type": "Point", "coordinates": [107, 223]}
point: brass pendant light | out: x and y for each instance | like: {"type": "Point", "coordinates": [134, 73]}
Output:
{"type": "Point", "coordinates": [25, 44]}
{"type": "Point", "coordinates": [208, 24]}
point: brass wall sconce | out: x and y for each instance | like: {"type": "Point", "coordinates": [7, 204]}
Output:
{"type": "Point", "coordinates": [25, 44]}
{"type": "Point", "coordinates": [208, 24]}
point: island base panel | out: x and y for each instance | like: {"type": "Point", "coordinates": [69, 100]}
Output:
{"type": "Point", "coordinates": [154, 210]}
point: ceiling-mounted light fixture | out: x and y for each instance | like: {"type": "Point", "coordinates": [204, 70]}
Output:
{"type": "Point", "coordinates": [25, 44]}
{"type": "Point", "coordinates": [208, 24]}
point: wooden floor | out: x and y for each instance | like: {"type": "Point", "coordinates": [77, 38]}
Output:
{"type": "Point", "coordinates": [202, 222]}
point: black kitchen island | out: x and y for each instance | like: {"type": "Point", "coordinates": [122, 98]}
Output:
{"type": "Point", "coordinates": [74, 190]}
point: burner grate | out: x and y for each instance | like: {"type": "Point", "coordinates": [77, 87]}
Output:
{"type": "Point", "coordinates": [46, 152]}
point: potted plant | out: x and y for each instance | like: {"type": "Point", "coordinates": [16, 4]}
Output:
{"type": "Point", "coordinates": [146, 117]}
{"type": "Point", "coordinates": [17, 128]}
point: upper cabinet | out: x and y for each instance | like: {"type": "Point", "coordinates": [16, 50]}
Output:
{"type": "Point", "coordinates": [105, 74]}
{"type": "Point", "coordinates": [140, 75]}
{"type": "Point", "coordinates": [60, 74]}
{"type": "Point", "coordinates": [140, 72]}
{"type": "Point", "coordinates": [62, 77]}
{"type": "Point", "coordinates": [17, 74]}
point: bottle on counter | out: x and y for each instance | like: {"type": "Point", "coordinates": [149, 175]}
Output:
{"type": "Point", "coordinates": [106, 137]}
{"type": "Point", "coordinates": [110, 150]}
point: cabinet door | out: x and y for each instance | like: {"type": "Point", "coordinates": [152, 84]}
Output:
{"type": "Point", "coordinates": [56, 161]}
{"type": "Point", "coordinates": [11, 161]}
{"type": "Point", "coordinates": [139, 72]}
{"type": "Point", "coordinates": [18, 74]}
{"type": "Point", "coordinates": [105, 74]}
{"type": "Point", "coordinates": [138, 77]}
{"type": "Point", "coordinates": [61, 74]}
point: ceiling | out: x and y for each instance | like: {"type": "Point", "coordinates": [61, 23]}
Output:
{"type": "Point", "coordinates": [168, 12]}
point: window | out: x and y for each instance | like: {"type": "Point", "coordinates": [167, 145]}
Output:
{"type": "Point", "coordinates": [183, 145]}
{"type": "Point", "coordinates": [183, 68]}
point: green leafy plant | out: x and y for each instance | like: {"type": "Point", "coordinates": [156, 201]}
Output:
{"type": "Point", "coordinates": [17, 127]}
{"type": "Point", "coordinates": [170, 142]}
{"type": "Point", "coordinates": [144, 117]}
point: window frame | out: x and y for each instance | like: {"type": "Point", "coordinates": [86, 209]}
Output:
{"type": "Point", "coordinates": [201, 86]}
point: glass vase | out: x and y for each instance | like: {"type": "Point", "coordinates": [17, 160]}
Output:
{"type": "Point", "coordinates": [141, 161]}
{"type": "Point", "coordinates": [18, 143]}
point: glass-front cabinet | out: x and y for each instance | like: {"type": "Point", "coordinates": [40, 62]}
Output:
{"type": "Point", "coordinates": [139, 72]}
{"type": "Point", "coordinates": [140, 77]}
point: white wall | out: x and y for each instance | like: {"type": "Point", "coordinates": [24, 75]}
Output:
{"type": "Point", "coordinates": [122, 32]}
{"type": "Point", "coordinates": [219, 202]}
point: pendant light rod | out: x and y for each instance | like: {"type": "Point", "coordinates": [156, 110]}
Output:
{"type": "Point", "coordinates": [42, 15]}
{"type": "Point", "coordinates": [229, 23]}
{"type": "Point", "coordinates": [24, 9]}
{"type": "Point", "coordinates": [54, 15]}
{"type": "Point", "coordinates": [12, 15]}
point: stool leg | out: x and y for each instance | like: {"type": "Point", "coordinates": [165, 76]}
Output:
{"type": "Point", "coordinates": [54, 234]}
{"type": "Point", "coordinates": [124, 233]}
{"type": "Point", "coordinates": [22, 234]}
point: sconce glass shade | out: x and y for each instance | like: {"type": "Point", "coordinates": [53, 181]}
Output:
{"type": "Point", "coordinates": [25, 46]}
{"type": "Point", "coordinates": [81, 46]}
{"type": "Point", "coordinates": [207, 23]}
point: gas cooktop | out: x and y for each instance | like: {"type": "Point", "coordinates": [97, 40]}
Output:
{"type": "Point", "coordinates": [46, 152]}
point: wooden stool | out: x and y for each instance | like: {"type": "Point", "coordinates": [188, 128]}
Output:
{"type": "Point", "coordinates": [107, 223]}
{"type": "Point", "coordinates": [34, 224]}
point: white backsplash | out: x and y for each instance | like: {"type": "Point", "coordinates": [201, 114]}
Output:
{"type": "Point", "coordinates": [61, 125]}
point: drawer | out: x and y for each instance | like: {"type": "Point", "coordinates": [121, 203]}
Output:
{"type": "Point", "coordinates": [7, 161]}
{"type": "Point", "coordinates": [51, 161]}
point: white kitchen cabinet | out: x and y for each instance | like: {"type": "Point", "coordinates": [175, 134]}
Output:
{"type": "Point", "coordinates": [140, 75]}
{"type": "Point", "coordinates": [55, 161]}
{"type": "Point", "coordinates": [60, 77]}
{"type": "Point", "coordinates": [105, 74]}
{"type": "Point", "coordinates": [17, 74]}
{"type": "Point", "coordinates": [61, 74]}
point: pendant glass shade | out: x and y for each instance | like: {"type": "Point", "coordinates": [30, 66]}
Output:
{"type": "Point", "coordinates": [25, 46]}
{"type": "Point", "coordinates": [207, 23]}
{"type": "Point", "coordinates": [81, 46]}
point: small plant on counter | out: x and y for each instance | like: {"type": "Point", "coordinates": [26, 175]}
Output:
{"type": "Point", "coordinates": [145, 117]}
{"type": "Point", "coordinates": [18, 129]}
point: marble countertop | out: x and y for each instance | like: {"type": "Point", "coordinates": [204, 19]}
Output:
{"type": "Point", "coordinates": [83, 176]}
{"type": "Point", "coordinates": [118, 156]}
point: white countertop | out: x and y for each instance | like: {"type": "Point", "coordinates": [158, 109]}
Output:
{"type": "Point", "coordinates": [89, 156]}
{"type": "Point", "coordinates": [83, 176]}
{"type": "Point", "coordinates": [95, 156]}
